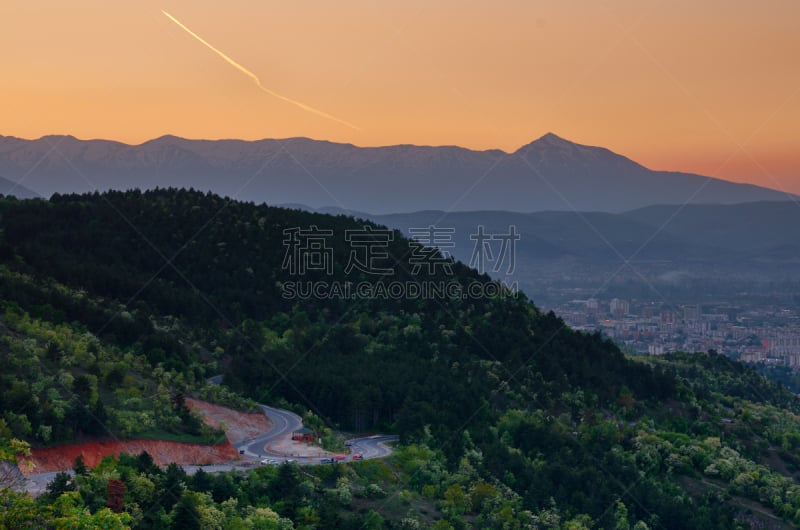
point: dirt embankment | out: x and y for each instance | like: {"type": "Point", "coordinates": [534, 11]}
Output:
{"type": "Point", "coordinates": [238, 426]}
{"type": "Point", "coordinates": [63, 457]}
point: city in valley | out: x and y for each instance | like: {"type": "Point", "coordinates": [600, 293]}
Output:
{"type": "Point", "coordinates": [768, 334]}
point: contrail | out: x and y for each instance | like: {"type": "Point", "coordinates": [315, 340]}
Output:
{"type": "Point", "coordinates": [255, 78]}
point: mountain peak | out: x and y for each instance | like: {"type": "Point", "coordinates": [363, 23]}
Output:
{"type": "Point", "coordinates": [166, 139]}
{"type": "Point", "coordinates": [553, 138]}
{"type": "Point", "coordinates": [563, 156]}
{"type": "Point", "coordinates": [548, 141]}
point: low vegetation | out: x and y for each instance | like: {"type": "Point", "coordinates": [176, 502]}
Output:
{"type": "Point", "coordinates": [118, 306]}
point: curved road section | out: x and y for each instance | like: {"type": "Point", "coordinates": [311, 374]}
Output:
{"type": "Point", "coordinates": [372, 446]}
{"type": "Point", "coordinates": [285, 422]}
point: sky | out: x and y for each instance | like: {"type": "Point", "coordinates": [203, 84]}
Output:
{"type": "Point", "coordinates": [708, 86]}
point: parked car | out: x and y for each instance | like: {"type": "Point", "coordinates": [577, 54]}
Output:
{"type": "Point", "coordinates": [291, 461]}
{"type": "Point", "coordinates": [326, 460]}
{"type": "Point", "coordinates": [358, 456]}
{"type": "Point", "coordinates": [339, 457]}
{"type": "Point", "coordinates": [269, 462]}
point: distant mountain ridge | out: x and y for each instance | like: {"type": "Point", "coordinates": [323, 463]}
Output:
{"type": "Point", "coordinates": [550, 173]}
{"type": "Point", "coordinates": [13, 189]}
{"type": "Point", "coordinates": [757, 230]}
{"type": "Point", "coordinates": [757, 239]}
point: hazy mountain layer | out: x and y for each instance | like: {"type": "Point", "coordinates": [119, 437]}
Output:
{"type": "Point", "coordinates": [548, 174]}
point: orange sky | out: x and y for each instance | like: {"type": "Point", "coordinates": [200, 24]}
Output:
{"type": "Point", "coordinates": [710, 86]}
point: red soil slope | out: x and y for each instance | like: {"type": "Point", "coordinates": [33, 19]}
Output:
{"type": "Point", "coordinates": [63, 457]}
{"type": "Point", "coordinates": [238, 426]}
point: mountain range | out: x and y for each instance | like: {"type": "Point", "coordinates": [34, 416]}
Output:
{"type": "Point", "coordinates": [550, 173]}
{"type": "Point", "coordinates": [674, 232]}
{"type": "Point", "coordinates": [659, 244]}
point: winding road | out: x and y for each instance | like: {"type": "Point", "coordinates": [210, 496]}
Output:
{"type": "Point", "coordinates": [372, 446]}
{"type": "Point", "coordinates": [285, 422]}
{"type": "Point", "coordinates": [259, 448]}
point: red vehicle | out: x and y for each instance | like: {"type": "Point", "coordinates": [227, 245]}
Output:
{"type": "Point", "coordinates": [339, 457]}
{"type": "Point", "coordinates": [358, 456]}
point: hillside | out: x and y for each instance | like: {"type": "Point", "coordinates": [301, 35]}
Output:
{"type": "Point", "coordinates": [704, 232]}
{"type": "Point", "coordinates": [758, 229]}
{"type": "Point", "coordinates": [711, 245]}
{"type": "Point", "coordinates": [550, 173]}
{"type": "Point", "coordinates": [507, 418]}
{"type": "Point", "coordinates": [63, 383]}
{"type": "Point", "coordinates": [12, 189]}
{"type": "Point", "coordinates": [222, 280]}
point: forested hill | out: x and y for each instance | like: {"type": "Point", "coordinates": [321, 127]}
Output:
{"type": "Point", "coordinates": [217, 267]}
{"type": "Point", "coordinates": [194, 284]}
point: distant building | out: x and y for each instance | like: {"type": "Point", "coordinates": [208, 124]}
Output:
{"type": "Point", "coordinates": [691, 313]}
{"type": "Point", "coordinates": [793, 360]}
{"type": "Point", "coordinates": [731, 311]}
{"type": "Point", "coordinates": [739, 332]}
{"type": "Point", "coordinates": [619, 308]}
{"type": "Point", "coordinates": [303, 435]}
{"type": "Point", "coordinates": [785, 346]}
{"type": "Point", "coordinates": [592, 305]}
{"type": "Point", "coordinates": [667, 318]}
{"type": "Point", "coordinates": [753, 356]}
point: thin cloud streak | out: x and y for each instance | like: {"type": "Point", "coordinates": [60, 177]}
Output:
{"type": "Point", "coordinates": [255, 78]}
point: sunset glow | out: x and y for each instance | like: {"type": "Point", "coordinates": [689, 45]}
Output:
{"type": "Point", "coordinates": [710, 87]}
{"type": "Point", "coordinates": [254, 77]}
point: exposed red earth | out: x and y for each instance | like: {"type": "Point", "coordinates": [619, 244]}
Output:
{"type": "Point", "coordinates": [238, 426]}
{"type": "Point", "coordinates": [63, 457]}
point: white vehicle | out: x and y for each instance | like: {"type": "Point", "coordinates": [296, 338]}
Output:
{"type": "Point", "coordinates": [269, 462]}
